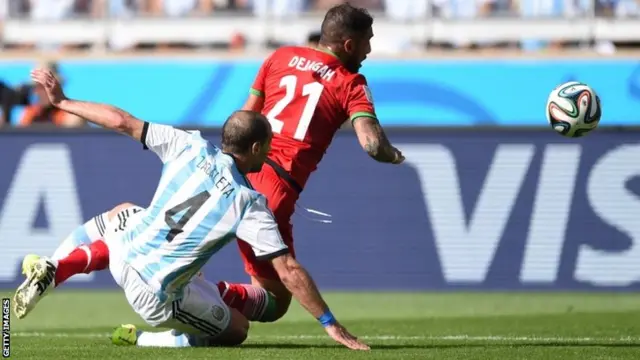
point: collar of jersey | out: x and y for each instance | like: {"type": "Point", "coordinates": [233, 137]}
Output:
{"type": "Point", "coordinates": [327, 51]}
{"type": "Point", "coordinates": [235, 162]}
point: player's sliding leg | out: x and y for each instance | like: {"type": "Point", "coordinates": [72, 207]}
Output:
{"type": "Point", "coordinates": [43, 273]}
{"type": "Point", "coordinates": [93, 256]}
{"type": "Point", "coordinates": [85, 259]}
{"type": "Point", "coordinates": [91, 231]}
{"type": "Point", "coordinates": [85, 234]}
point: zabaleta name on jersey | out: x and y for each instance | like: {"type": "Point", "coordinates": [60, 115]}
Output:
{"type": "Point", "coordinates": [220, 182]}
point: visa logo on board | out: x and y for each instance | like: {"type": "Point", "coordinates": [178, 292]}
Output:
{"type": "Point", "coordinates": [467, 245]}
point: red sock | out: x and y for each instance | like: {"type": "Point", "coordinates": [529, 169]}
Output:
{"type": "Point", "coordinates": [252, 301]}
{"type": "Point", "coordinates": [83, 259]}
{"type": "Point", "coordinates": [234, 295]}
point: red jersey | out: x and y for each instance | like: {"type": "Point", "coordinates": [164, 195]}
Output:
{"type": "Point", "coordinates": [308, 95]}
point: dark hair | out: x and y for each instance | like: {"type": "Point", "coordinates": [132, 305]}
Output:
{"type": "Point", "coordinates": [314, 37]}
{"type": "Point", "coordinates": [242, 129]}
{"type": "Point", "coordinates": [343, 22]}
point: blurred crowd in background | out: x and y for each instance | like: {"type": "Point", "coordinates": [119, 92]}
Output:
{"type": "Point", "coordinates": [400, 10]}
{"type": "Point", "coordinates": [390, 11]}
{"type": "Point", "coordinates": [394, 11]}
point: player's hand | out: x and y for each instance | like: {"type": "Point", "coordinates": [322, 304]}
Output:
{"type": "Point", "coordinates": [399, 158]}
{"type": "Point", "coordinates": [51, 85]}
{"type": "Point", "coordinates": [341, 335]}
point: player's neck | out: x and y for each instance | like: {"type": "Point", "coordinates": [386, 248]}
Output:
{"type": "Point", "coordinates": [326, 49]}
{"type": "Point", "coordinates": [241, 162]}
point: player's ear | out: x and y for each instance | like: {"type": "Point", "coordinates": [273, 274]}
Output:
{"type": "Point", "coordinates": [255, 148]}
{"type": "Point", "coordinates": [349, 46]}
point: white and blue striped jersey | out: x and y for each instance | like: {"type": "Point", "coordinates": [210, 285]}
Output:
{"type": "Point", "coordinates": [202, 203]}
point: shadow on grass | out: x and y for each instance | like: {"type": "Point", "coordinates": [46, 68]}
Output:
{"type": "Point", "coordinates": [447, 346]}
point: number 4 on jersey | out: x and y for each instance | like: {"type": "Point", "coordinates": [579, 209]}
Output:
{"type": "Point", "coordinates": [312, 90]}
{"type": "Point", "coordinates": [191, 205]}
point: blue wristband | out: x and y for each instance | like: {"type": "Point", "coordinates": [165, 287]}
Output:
{"type": "Point", "coordinates": [327, 319]}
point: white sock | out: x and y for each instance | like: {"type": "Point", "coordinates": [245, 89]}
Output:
{"type": "Point", "coordinates": [171, 338]}
{"type": "Point", "coordinates": [85, 234]}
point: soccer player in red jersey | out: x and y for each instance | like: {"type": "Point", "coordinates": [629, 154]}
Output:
{"type": "Point", "coordinates": [307, 94]}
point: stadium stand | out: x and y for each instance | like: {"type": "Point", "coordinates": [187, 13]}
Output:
{"type": "Point", "coordinates": [401, 25]}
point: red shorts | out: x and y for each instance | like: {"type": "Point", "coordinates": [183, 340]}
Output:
{"type": "Point", "coordinates": [281, 199]}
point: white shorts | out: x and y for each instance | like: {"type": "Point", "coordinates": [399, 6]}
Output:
{"type": "Point", "coordinates": [200, 311]}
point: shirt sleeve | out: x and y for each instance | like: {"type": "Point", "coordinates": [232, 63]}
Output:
{"type": "Point", "coordinates": [359, 102]}
{"type": "Point", "coordinates": [259, 229]}
{"type": "Point", "coordinates": [258, 84]}
{"type": "Point", "coordinates": [164, 140]}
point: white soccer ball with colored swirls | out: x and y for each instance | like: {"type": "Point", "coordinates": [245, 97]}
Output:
{"type": "Point", "coordinates": [573, 109]}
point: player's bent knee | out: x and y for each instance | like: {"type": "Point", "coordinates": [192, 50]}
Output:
{"type": "Point", "coordinates": [116, 209]}
{"type": "Point", "coordinates": [282, 308]}
{"type": "Point", "coordinates": [279, 296]}
{"type": "Point", "coordinates": [236, 332]}
{"type": "Point", "coordinates": [278, 310]}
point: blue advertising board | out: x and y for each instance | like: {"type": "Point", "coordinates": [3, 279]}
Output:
{"type": "Point", "coordinates": [492, 209]}
{"type": "Point", "coordinates": [411, 92]}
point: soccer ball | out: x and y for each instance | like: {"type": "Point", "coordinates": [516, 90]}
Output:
{"type": "Point", "coordinates": [573, 109]}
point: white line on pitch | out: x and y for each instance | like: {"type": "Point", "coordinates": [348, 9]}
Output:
{"type": "Point", "coordinates": [376, 337]}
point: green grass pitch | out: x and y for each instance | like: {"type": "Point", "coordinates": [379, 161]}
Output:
{"type": "Point", "coordinates": [75, 325]}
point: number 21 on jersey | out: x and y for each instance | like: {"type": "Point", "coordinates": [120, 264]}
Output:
{"type": "Point", "coordinates": [311, 90]}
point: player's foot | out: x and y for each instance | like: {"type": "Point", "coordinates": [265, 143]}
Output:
{"type": "Point", "coordinates": [125, 335]}
{"type": "Point", "coordinates": [40, 273]}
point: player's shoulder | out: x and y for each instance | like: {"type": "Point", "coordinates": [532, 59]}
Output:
{"type": "Point", "coordinates": [195, 139]}
{"type": "Point", "coordinates": [247, 196]}
{"type": "Point", "coordinates": [169, 131]}
{"type": "Point", "coordinates": [355, 83]}
{"type": "Point", "coordinates": [194, 134]}
{"type": "Point", "coordinates": [355, 78]}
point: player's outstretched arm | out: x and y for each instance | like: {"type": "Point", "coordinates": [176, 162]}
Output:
{"type": "Point", "coordinates": [259, 229]}
{"type": "Point", "coordinates": [107, 116]}
{"type": "Point", "coordinates": [375, 142]}
{"type": "Point", "coordinates": [298, 281]}
{"type": "Point", "coordinates": [300, 284]}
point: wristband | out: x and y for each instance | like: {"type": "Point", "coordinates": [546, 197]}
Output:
{"type": "Point", "coordinates": [327, 319]}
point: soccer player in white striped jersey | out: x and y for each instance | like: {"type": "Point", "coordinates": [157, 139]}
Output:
{"type": "Point", "coordinates": [202, 202]}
